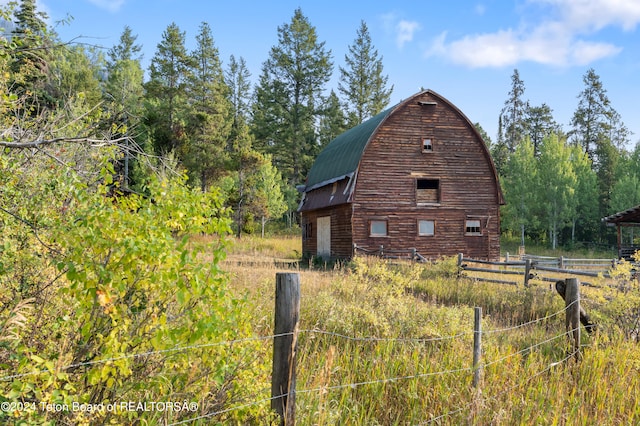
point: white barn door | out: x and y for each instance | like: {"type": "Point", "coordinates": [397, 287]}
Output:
{"type": "Point", "coordinates": [324, 237]}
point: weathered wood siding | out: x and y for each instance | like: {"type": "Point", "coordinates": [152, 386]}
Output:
{"type": "Point", "coordinates": [393, 161]}
{"type": "Point", "coordinates": [341, 232]}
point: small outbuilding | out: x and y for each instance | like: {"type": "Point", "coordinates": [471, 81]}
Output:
{"type": "Point", "coordinates": [416, 178]}
{"type": "Point", "coordinates": [629, 218]}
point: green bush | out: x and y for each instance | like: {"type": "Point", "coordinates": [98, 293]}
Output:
{"type": "Point", "coordinates": [106, 301]}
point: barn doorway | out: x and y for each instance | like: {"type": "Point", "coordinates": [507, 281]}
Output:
{"type": "Point", "coordinates": [324, 237]}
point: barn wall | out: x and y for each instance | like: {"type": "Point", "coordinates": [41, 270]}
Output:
{"type": "Point", "coordinates": [394, 160]}
{"type": "Point", "coordinates": [341, 231]}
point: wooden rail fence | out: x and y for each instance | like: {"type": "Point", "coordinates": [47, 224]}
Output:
{"type": "Point", "coordinates": [534, 267]}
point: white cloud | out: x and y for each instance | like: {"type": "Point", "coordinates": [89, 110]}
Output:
{"type": "Point", "coordinates": [597, 14]}
{"type": "Point", "coordinates": [558, 41]}
{"type": "Point", "coordinates": [402, 30]}
{"type": "Point", "coordinates": [583, 53]}
{"type": "Point", "coordinates": [405, 31]}
{"type": "Point", "coordinates": [110, 5]}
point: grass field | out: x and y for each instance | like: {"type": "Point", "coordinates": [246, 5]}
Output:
{"type": "Point", "coordinates": [386, 344]}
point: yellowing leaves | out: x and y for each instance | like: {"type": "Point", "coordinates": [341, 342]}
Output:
{"type": "Point", "coordinates": [105, 300]}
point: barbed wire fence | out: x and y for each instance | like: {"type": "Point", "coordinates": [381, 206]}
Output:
{"type": "Point", "coordinates": [468, 369]}
{"type": "Point", "coordinates": [569, 333]}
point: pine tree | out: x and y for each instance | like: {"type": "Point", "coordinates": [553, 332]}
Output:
{"type": "Point", "coordinates": [539, 124]}
{"type": "Point", "coordinates": [514, 113]}
{"type": "Point", "coordinates": [126, 49]}
{"type": "Point", "coordinates": [499, 150]}
{"type": "Point", "coordinates": [362, 83]}
{"type": "Point", "coordinates": [31, 58]}
{"type": "Point", "coordinates": [289, 98]}
{"type": "Point", "coordinates": [209, 121]}
{"type": "Point", "coordinates": [626, 190]}
{"type": "Point", "coordinates": [333, 121]}
{"type": "Point", "coordinates": [594, 123]}
{"type": "Point", "coordinates": [592, 119]}
{"type": "Point", "coordinates": [238, 80]}
{"type": "Point", "coordinates": [123, 87]}
{"type": "Point", "coordinates": [585, 221]}
{"type": "Point", "coordinates": [123, 92]}
{"type": "Point", "coordinates": [169, 74]}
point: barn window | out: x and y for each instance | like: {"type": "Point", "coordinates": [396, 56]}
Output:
{"type": "Point", "coordinates": [378, 228]}
{"type": "Point", "coordinates": [307, 231]}
{"type": "Point", "coordinates": [426, 227]}
{"type": "Point", "coordinates": [472, 227]}
{"type": "Point", "coordinates": [427, 191]}
{"type": "Point", "coordinates": [427, 145]}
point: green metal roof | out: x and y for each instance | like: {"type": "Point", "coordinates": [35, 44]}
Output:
{"type": "Point", "coordinates": [342, 155]}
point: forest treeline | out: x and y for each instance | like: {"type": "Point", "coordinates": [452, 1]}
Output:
{"type": "Point", "coordinates": [118, 187]}
{"type": "Point", "coordinates": [256, 142]}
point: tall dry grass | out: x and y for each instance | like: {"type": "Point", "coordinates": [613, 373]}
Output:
{"type": "Point", "coordinates": [376, 347]}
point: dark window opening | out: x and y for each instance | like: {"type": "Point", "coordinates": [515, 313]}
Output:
{"type": "Point", "coordinates": [428, 183]}
{"type": "Point", "coordinates": [427, 191]}
{"type": "Point", "coordinates": [307, 231]}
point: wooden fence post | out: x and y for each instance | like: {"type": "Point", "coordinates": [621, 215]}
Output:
{"type": "Point", "coordinates": [589, 325]}
{"type": "Point", "coordinates": [572, 321]}
{"type": "Point", "coordinates": [527, 272]}
{"type": "Point", "coordinates": [477, 345]}
{"type": "Point", "coordinates": [287, 315]}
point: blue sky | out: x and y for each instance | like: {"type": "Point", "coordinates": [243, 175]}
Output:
{"type": "Point", "coordinates": [464, 50]}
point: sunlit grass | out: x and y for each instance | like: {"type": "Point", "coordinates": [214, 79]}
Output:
{"type": "Point", "coordinates": [375, 346]}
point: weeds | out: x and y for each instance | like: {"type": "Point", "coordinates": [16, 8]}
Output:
{"type": "Point", "coordinates": [393, 346]}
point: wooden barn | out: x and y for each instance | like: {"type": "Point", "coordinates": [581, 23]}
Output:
{"type": "Point", "coordinates": [415, 178]}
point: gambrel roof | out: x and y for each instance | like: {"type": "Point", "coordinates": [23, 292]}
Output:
{"type": "Point", "coordinates": [340, 158]}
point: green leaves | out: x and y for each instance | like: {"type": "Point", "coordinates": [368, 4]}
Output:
{"type": "Point", "coordinates": [124, 282]}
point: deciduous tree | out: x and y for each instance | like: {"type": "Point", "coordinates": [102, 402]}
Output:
{"type": "Point", "coordinates": [521, 186]}
{"type": "Point", "coordinates": [558, 183]}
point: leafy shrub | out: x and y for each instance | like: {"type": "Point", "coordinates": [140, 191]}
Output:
{"type": "Point", "coordinates": [106, 301]}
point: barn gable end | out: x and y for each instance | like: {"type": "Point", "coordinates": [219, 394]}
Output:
{"type": "Point", "coordinates": [416, 176]}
